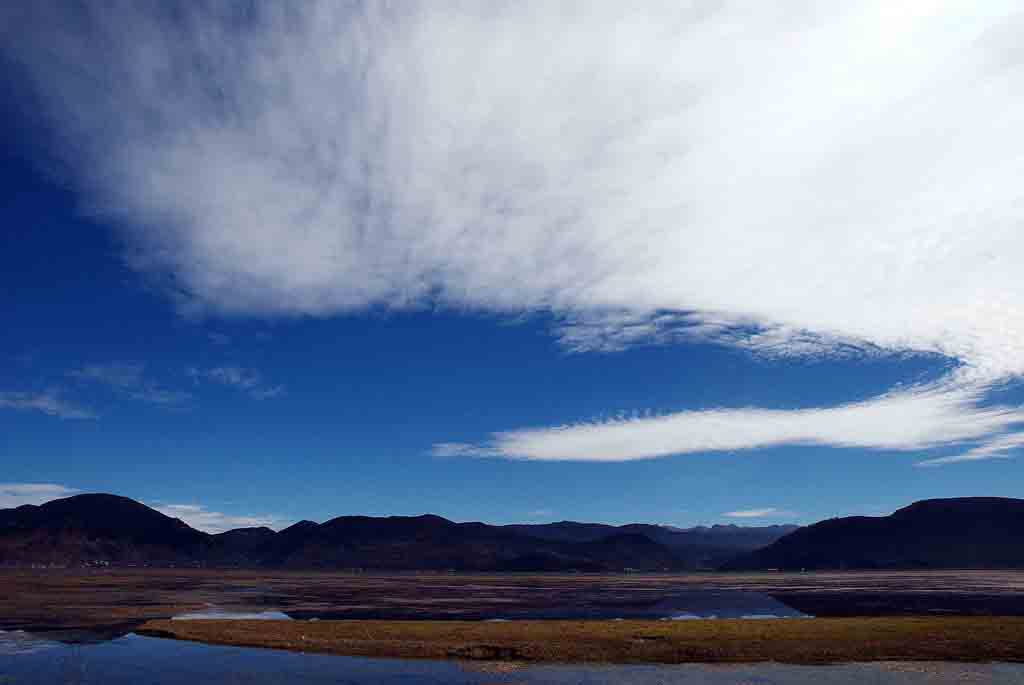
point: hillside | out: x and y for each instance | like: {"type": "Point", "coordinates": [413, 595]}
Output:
{"type": "Point", "coordinates": [433, 543]}
{"type": "Point", "coordinates": [110, 530]}
{"type": "Point", "coordinates": [96, 529]}
{"type": "Point", "coordinates": [701, 547]}
{"type": "Point", "coordinates": [968, 532]}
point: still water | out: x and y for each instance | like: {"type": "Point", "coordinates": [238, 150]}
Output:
{"type": "Point", "coordinates": [679, 605]}
{"type": "Point", "coordinates": [132, 659]}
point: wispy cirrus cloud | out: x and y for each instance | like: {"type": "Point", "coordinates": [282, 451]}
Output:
{"type": "Point", "coordinates": [249, 381]}
{"type": "Point", "coordinates": [788, 178]}
{"type": "Point", "coordinates": [913, 419]}
{"type": "Point", "coordinates": [997, 448]}
{"type": "Point", "coordinates": [129, 379]}
{"type": "Point", "coordinates": [17, 494]}
{"type": "Point", "coordinates": [114, 374]}
{"type": "Point", "coordinates": [50, 402]}
{"type": "Point", "coordinates": [766, 512]}
{"type": "Point", "coordinates": [210, 521]}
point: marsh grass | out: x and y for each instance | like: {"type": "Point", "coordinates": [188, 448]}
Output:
{"type": "Point", "coordinates": [796, 641]}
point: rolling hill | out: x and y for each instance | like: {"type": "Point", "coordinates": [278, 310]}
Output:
{"type": "Point", "coordinates": [967, 532]}
{"type": "Point", "coordinates": [96, 529]}
{"type": "Point", "coordinates": [99, 529]}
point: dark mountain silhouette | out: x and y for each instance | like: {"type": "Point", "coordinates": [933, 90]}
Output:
{"type": "Point", "coordinates": [725, 536]}
{"type": "Point", "coordinates": [111, 530]}
{"type": "Point", "coordinates": [434, 543]}
{"type": "Point", "coordinates": [730, 536]}
{"type": "Point", "coordinates": [702, 547]}
{"type": "Point", "coordinates": [237, 546]}
{"type": "Point", "coordinates": [968, 532]}
{"type": "Point", "coordinates": [980, 532]}
{"type": "Point", "coordinates": [99, 529]}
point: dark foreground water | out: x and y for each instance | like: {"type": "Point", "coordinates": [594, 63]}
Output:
{"type": "Point", "coordinates": [135, 660]}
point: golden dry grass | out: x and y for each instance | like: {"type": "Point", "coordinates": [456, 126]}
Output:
{"type": "Point", "coordinates": [798, 641]}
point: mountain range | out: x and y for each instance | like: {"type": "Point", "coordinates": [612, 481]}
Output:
{"type": "Point", "coordinates": [101, 530]}
{"type": "Point", "coordinates": [965, 532]}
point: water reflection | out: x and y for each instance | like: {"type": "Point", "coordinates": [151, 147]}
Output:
{"type": "Point", "coordinates": [18, 642]}
{"type": "Point", "coordinates": [698, 604]}
{"type": "Point", "coordinates": [28, 660]}
{"type": "Point", "coordinates": [680, 605]}
{"type": "Point", "coordinates": [217, 613]}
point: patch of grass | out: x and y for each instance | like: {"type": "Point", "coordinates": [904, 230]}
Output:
{"type": "Point", "coordinates": [797, 641]}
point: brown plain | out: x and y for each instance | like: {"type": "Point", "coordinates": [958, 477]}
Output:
{"type": "Point", "coordinates": [797, 641]}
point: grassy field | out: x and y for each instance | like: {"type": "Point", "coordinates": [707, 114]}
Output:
{"type": "Point", "coordinates": [797, 641]}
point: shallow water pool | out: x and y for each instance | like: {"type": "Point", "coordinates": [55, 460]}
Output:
{"type": "Point", "coordinates": [27, 659]}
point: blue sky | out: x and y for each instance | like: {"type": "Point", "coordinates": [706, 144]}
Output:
{"type": "Point", "coordinates": [246, 282]}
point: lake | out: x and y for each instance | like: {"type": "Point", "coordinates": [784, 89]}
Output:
{"type": "Point", "coordinates": [26, 659]}
{"type": "Point", "coordinates": [676, 605]}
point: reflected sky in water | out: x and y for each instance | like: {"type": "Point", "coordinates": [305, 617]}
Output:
{"type": "Point", "coordinates": [30, 660]}
{"type": "Point", "coordinates": [699, 603]}
{"type": "Point", "coordinates": [216, 613]}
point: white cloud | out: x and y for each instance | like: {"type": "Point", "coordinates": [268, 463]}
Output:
{"type": "Point", "coordinates": [17, 494]}
{"type": "Point", "coordinates": [996, 448]}
{"type": "Point", "coordinates": [162, 396]}
{"type": "Point", "coordinates": [114, 374]}
{"type": "Point", "coordinates": [796, 178]}
{"type": "Point", "coordinates": [201, 518]}
{"type": "Point", "coordinates": [767, 512]}
{"type": "Point", "coordinates": [248, 380]}
{"type": "Point", "coordinates": [49, 402]}
{"type": "Point", "coordinates": [128, 378]}
{"type": "Point", "coordinates": [236, 376]}
{"type": "Point", "coordinates": [917, 418]}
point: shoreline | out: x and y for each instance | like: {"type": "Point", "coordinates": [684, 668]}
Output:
{"type": "Point", "coordinates": [791, 641]}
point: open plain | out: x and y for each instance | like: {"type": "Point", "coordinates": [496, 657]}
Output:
{"type": "Point", "coordinates": [90, 598]}
{"type": "Point", "coordinates": [793, 641]}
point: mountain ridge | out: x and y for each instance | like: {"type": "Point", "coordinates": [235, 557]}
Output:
{"type": "Point", "coordinates": [962, 532]}
{"type": "Point", "coordinates": [102, 530]}
{"type": "Point", "coordinates": [109, 530]}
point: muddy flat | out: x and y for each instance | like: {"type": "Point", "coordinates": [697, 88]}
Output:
{"type": "Point", "coordinates": [55, 598]}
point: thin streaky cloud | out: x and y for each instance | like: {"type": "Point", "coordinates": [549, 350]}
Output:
{"type": "Point", "coordinates": [999, 448]}
{"type": "Point", "coordinates": [766, 512]}
{"type": "Point", "coordinates": [236, 376]}
{"type": "Point", "coordinates": [913, 419]}
{"type": "Point", "coordinates": [211, 521]}
{"type": "Point", "coordinates": [129, 380]}
{"type": "Point", "coordinates": [49, 402]}
{"type": "Point", "coordinates": [249, 381]}
{"type": "Point", "coordinates": [114, 374]}
{"type": "Point", "coordinates": [18, 494]}
{"type": "Point", "coordinates": [162, 396]}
